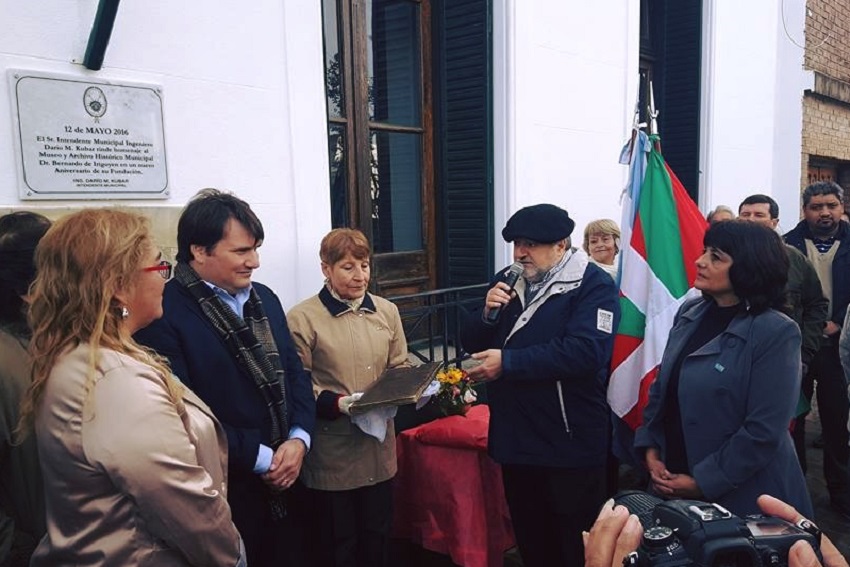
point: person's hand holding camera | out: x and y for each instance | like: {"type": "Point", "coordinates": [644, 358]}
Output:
{"type": "Point", "coordinates": [801, 553]}
{"type": "Point", "coordinates": [614, 535]}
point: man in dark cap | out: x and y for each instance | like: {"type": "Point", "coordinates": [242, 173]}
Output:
{"type": "Point", "coordinates": [545, 360]}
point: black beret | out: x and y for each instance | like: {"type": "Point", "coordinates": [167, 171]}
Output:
{"type": "Point", "coordinates": [540, 223]}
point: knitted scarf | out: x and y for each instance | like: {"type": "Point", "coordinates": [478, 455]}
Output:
{"type": "Point", "coordinates": [249, 340]}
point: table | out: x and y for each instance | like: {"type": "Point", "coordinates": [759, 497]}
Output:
{"type": "Point", "coordinates": [448, 494]}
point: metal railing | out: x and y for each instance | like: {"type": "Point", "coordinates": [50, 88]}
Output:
{"type": "Point", "coordinates": [432, 320]}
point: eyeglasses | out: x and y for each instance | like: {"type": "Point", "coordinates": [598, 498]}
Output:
{"type": "Point", "coordinates": [164, 269]}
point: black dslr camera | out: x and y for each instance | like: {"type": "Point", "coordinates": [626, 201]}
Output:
{"type": "Point", "coordinates": [691, 532]}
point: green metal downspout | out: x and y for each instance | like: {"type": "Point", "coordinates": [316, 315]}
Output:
{"type": "Point", "coordinates": [101, 31]}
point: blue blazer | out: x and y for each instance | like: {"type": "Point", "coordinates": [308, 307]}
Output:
{"type": "Point", "coordinates": [201, 359]}
{"type": "Point", "coordinates": [737, 396]}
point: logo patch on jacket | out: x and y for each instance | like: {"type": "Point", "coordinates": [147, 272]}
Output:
{"type": "Point", "coordinates": [604, 321]}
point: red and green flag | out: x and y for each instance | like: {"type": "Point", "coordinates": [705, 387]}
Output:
{"type": "Point", "coordinates": [662, 231]}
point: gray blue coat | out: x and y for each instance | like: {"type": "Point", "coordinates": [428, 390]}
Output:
{"type": "Point", "coordinates": [737, 395]}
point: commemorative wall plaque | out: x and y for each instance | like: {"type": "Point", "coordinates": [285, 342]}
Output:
{"type": "Point", "coordinates": [82, 139]}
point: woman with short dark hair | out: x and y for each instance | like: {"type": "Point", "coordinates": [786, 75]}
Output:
{"type": "Point", "coordinates": [716, 425]}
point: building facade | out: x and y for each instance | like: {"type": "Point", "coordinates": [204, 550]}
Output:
{"type": "Point", "coordinates": [426, 123]}
{"type": "Point", "coordinates": [826, 104]}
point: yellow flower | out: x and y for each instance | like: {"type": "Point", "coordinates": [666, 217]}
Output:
{"type": "Point", "coordinates": [455, 375]}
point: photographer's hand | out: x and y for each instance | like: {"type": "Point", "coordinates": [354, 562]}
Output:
{"type": "Point", "coordinates": [613, 536]}
{"type": "Point", "coordinates": [801, 554]}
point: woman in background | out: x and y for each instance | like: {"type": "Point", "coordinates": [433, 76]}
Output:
{"type": "Point", "coordinates": [21, 495]}
{"type": "Point", "coordinates": [347, 338]}
{"type": "Point", "coordinates": [133, 463]}
{"type": "Point", "coordinates": [602, 244]}
{"type": "Point", "coordinates": [716, 425]}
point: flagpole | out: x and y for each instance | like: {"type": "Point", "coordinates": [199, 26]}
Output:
{"type": "Point", "coordinates": [635, 125]}
{"type": "Point", "coordinates": [626, 156]}
{"type": "Point", "coordinates": [653, 116]}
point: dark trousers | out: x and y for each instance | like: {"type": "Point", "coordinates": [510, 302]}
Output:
{"type": "Point", "coordinates": [833, 407]}
{"type": "Point", "coordinates": [550, 507]}
{"type": "Point", "coordinates": [268, 542]}
{"type": "Point", "coordinates": [351, 528]}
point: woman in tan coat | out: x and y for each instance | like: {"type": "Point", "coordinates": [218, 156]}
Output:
{"type": "Point", "coordinates": [346, 338]}
{"type": "Point", "coordinates": [133, 463]}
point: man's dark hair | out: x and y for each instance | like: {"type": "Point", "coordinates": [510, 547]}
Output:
{"type": "Point", "coordinates": [758, 199]}
{"type": "Point", "coordinates": [759, 261]}
{"type": "Point", "coordinates": [822, 188]}
{"type": "Point", "coordinates": [19, 234]}
{"type": "Point", "coordinates": [203, 220]}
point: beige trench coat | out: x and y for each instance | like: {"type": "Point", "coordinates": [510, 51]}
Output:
{"type": "Point", "coordinates": [345, 351]}
{"type": "Point", "coordinates": [129, 481]}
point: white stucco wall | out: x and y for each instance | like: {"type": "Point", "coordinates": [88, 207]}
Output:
{"type": "Point", "coordinates": [753, 83]}
{"type": "Point", "coordinates": [565, 83]}
{"type": "Point", "coordinates": [244, 106]}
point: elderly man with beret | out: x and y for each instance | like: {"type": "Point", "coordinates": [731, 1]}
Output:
{"type": "Point", "coordinates": [545, 361]}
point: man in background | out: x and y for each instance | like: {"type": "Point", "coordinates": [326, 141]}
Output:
{"type": "Point", "coordinates": [825, 240]}
{"type": "Point", "coordinates": [804, 303]}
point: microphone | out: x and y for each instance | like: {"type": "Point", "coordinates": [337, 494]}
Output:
{"type": "Point", "coordinates": [511, 276]}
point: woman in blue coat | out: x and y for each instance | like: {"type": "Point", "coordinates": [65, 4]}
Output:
{"type": "Point", "coordinates": [716, 425]}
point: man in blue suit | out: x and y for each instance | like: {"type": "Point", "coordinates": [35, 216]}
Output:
{"type": "Point", "coordinates": [227, 339]}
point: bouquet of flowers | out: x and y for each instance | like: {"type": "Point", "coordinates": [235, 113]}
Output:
{"type": "Point", "coordinates": [456, 393]}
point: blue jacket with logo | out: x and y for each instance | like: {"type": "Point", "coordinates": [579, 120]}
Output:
{"type": "Point", "coordinates": [549, 406]}
{"type": "Point", "coordinates": [737, 395]}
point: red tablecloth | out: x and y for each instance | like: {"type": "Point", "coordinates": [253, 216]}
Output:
{"type": "Point", "coordinates": [448, 494]}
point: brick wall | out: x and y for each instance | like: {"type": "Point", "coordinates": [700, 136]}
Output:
{"type": "Point", "coordinates": [826, 126]}
{"type": "Point", "coordinates": [826, 111]}
{"type": "Point", "coordinates": [828, 38]}
{"type": "Point", "coordinates": [826, 133]}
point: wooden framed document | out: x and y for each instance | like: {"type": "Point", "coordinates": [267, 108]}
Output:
{"type": "Point", "coordinates": [397, 386]}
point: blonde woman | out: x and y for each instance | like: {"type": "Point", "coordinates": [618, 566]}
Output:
{"type": "Point", "coordinates": [133, 463]}
{"type": "Point", "coordinates": [602, 244]}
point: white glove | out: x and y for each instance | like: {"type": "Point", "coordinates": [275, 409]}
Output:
{"type": "Point", "coordinates": [344, 403]}
{"type": "Point", "coordinates": [374, 422]}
